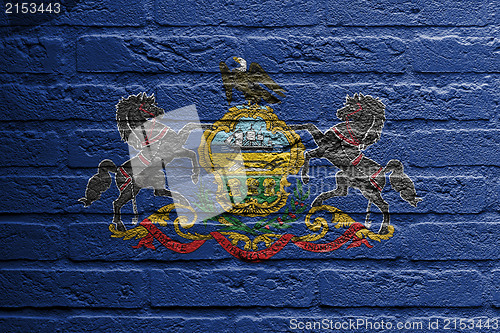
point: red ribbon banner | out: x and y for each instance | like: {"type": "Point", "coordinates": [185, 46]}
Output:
{"type": "Point", "coordinates": [349, 234]}
{"type": "Point", "coordinates": [169, 243]}
{"type": "Point", "coordinates": [253, 256]}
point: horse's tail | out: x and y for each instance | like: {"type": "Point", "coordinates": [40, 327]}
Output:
{"type": "Point", "coordinates": [99, 182]}
{"type": "Point", "coordinates": [401, 183]}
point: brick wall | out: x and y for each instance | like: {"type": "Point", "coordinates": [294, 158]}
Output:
{"type": "Point", "coordinates": [433, 63]}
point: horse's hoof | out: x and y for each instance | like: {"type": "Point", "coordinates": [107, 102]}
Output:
{"type": "Point", "coordinates": [182, 200]}
{"type": "Point", "coordinates": [120, 226]}
{"type": "Point", "coordinates": [195, 178]}
{"type": "Point", "coordinates": [317, 203]}
{"type": "Point", "coordinates": [305, 180]}
{"type": "Point", "coordinates": [416, 201]}
{"type": "Point", "coordinates": [86, 202]}
{"type": "Point", "coordinates": [159, 193]}
{"type": "Point", "coordinates": [384, 230]}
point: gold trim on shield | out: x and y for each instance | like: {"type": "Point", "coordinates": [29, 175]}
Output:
{"type": "Point", "coordinates": [253, 164]}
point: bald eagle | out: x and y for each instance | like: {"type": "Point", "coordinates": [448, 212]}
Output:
{"type": "Point", "coordinates": [248, 82]}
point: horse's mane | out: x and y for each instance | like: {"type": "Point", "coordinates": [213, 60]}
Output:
{"type": "Point", "coordinates": [370, 105]}
{"type": "Point", "coordinates": [128, 115]}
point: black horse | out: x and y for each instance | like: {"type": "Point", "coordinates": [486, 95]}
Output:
{"type": "Point", "coordinates": [342, 145]}
{"type": "Point", "coordinates": [157, 144]}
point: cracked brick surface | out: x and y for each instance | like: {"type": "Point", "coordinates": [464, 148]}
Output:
{"type": "Point", "coordinates": [434, 65]}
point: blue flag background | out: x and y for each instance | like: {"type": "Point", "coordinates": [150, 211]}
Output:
{"type": "Point", "coordinates": [434, 64]}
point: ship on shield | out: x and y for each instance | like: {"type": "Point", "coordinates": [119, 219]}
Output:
{"type": "Point", "coordinates": [258, 166]}
{"type": "Point", "coordinates": [268, 161]}
{"type": "Point", "coordinates": [249, 140]}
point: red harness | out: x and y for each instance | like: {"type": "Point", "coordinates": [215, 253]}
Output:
{"type": "Point", "coordinates": [156, 138]}
{"type": "Point", "coordinates": [127, 177]}
{"type": "Point", "coordinates": [355, 142]}
{"type": "Point", "coordinates": [354, 139]}
{"type": "Point", "coordinates": [357, 159]}
{"type": "Point", "coordinates": [159, 136]}
{"type": "Point", "coordinates": [142, 158]}
{"type": "Point", "coordinates": [341, 136]}
{"type": "Point", "coordinates": [372, 179]}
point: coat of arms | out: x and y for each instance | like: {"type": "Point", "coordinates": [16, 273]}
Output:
{"type": "Point", "coordinates": [248, 185]}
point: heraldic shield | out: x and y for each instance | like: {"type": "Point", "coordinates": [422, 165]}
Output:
{"type": "Point", "coordinates": [251, 171]}
{"type": "Point", "coordinates": [270, 151]}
